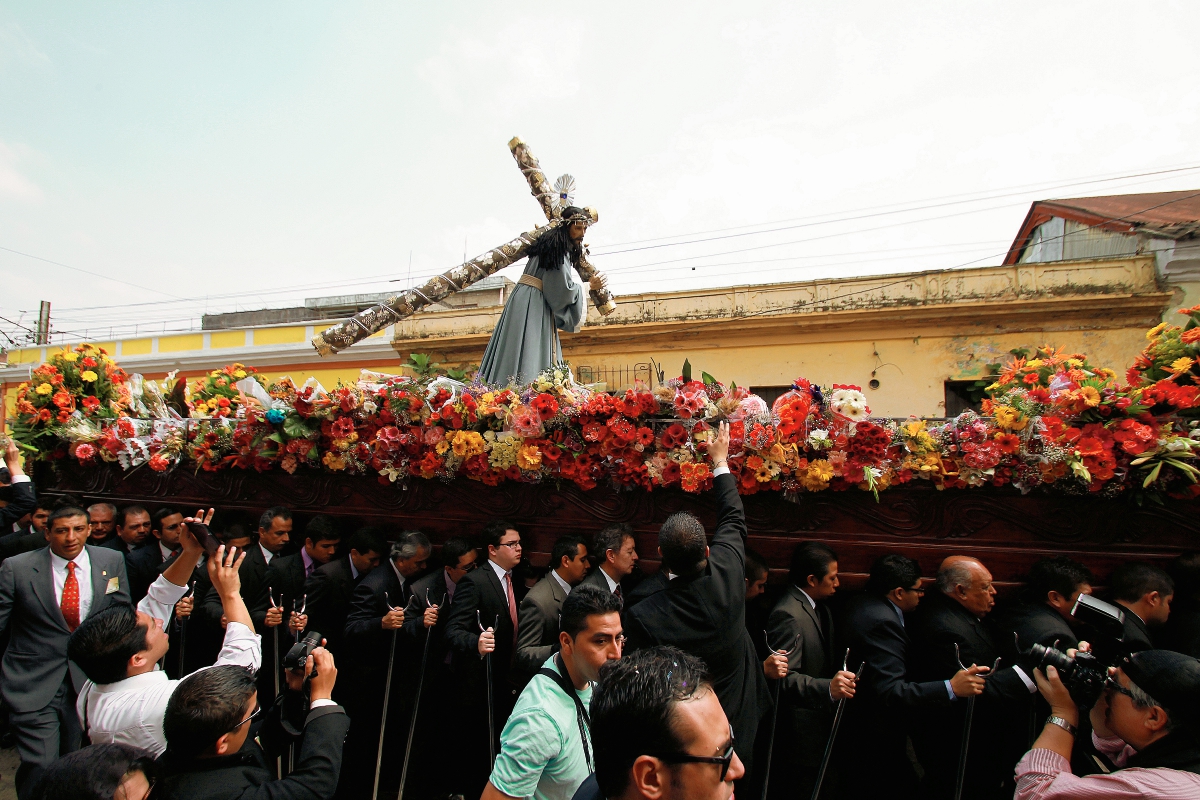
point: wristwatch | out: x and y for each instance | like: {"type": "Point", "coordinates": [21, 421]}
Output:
{"type": "Point", "coordinates": [1062, 723]}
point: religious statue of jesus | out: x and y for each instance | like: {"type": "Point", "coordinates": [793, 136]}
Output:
{"type": "Point", "coordinates": [548, 298]}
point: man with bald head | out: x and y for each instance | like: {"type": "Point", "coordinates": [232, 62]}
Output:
{"type": "Point", "coordinates": [954, 614]}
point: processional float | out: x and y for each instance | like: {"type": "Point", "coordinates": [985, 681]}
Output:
{"type": "Point", "coordinates": [404, 305]}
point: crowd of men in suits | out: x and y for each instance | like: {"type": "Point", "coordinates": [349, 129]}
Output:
{"type": "Point", "coordinates": [105, 600]}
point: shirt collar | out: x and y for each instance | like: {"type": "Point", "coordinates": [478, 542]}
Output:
{"type": "Point", "coordinates": [500, 571]}
{"type": "Point", "coordinates": [566, 587]}
{"type": "Point", "coordinates": [811, 602]}
{"type": "Point", "coordinates": [450, 585]}
{"type": "Point", "coordinates": [307, 559]}
{"type": "Point", "coordinates": [896, 608]}
{"type": "Point", "coordinates": [166, 551]}
{"type": "Point", "coordinates": [134, 682]}
{"type": "Point", "coordinates": [267, 554]}
{"type": "Point", "coordinates": [399, 577]}
{"type": "Point", "coordinates": [612, 585]}
{"type": "Point", "coordinates": [353, 569]}
{"type": "Point", "coordinates": [82, 561]}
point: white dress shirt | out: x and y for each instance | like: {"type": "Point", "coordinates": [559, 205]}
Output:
{"type": "Point", "coordinates": [166, 551]}
{"type": "Point", "coordinates": [612, 585]}
{"type": "Point", "coordinates": [267, 554]}
{"type": "Point", "coordinates": [132, 711]}
{"type": "Point", "coordinates": [83, 576]}
{"type": "Point", "coordinates": [566, 587]}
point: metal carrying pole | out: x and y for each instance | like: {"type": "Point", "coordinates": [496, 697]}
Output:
{"type": "Point", "coordinates": [774, 714]}
{"type": "Point", "coordinates": [491, 713]}
{"type": "Point", "coordinates": [966, 741]}
{"type": "Point", "coordinates": [183, 631]}
{"type": "Point", "coordinates": [837, 721]}
{"type": "Point", "coordinates": [387, 691]}
{"type": "Point", "coordinates": [412, 725]}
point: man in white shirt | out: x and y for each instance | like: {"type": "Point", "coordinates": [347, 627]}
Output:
{"type": "Point", "coordinates": [126, 696]}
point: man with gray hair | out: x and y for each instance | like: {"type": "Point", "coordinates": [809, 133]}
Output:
{"type": "Point", "coordinates": [102, 522]}
{"type": "Point", "coordinates": [374, 626]}
{"type": "Point", "coordinates": [949, 627]}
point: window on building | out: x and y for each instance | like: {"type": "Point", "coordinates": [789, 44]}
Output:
{"type": "Point", "coordinates": [965, 396]}
{"type": "Point", "coordinates": [770, 393]}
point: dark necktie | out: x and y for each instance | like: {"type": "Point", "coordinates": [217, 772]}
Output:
{"type": "Point", "coordinates": [617, 592]}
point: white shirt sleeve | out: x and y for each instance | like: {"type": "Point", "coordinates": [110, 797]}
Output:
{"type": "Point", "coordinates": [20, 479]}
{"type": "Point", "coordinates": [161, 598]}
{"type": "Point", "coordinates": [722, 470]}
{"type": "Point", "coordinates": [242, 648]}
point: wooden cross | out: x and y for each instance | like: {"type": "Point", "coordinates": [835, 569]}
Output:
{"type": "Point", "coordinates": [401, 306]}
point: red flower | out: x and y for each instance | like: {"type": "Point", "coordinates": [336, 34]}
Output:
{"type": "Point", "coordinates": [1031, 379]}
{"type": "Point", "coordinates": [675, 435]}
{"type": "Point", "coordinates": [545, 405]}
{"type": "Point", "coordinates": [342, 427]}
{"type": "Point", "coordinates": [645, 436]}
{"type": "Point", "coordinates": [1008, 443]}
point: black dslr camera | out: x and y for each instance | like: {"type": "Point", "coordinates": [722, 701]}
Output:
{"type": "Point", "coordinates": [1085, 674]}
{"type": "Point", "coordinates": [298, 655]}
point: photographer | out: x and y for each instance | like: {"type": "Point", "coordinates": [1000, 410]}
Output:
{"type": "Point", "coordinates": [1146, 722]}
{"type": "Point", "coordinates": [211, 754]}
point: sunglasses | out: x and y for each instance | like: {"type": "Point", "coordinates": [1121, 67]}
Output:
{"type": "Point", "coordinates": [687, 758]}
{"type": "Point", "coordinates": [255, 714]}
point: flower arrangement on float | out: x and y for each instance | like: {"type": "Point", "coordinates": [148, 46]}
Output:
{"type": "Point", "coordinates": [1052, 421]}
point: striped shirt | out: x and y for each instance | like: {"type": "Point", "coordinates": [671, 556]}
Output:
{"type": "Point", "coordinates": [1045, 775]}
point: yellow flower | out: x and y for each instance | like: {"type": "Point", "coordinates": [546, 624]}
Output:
{"type": "Point", "coordinates": [1156, 330]}
{"type": "Point", "coordinates": [763, 474]}
{"type": "Point", "coordinates": [88, 376]}
{"type": "Point", "coordinates": [460, 446]}
{"type": "Point", "coordinates": [1181, 365]}
{"type": "Point", "coordinates": [1090, 395]}
{"type": "Point", "coordinates": [529, 457]}
{"type": "Point", "coordinates": [70, 358]}
{"type": "Point", "coordinates": [820, 470]}
{"type": "Point", "coordinates": [1009, 418]}
{"type": "Point", "coordinates": [1034, 364]}
{"type": "Point", "coordinates": [441, 447]}
{"type": "Point", "coordinates": [241, 373]}
{"type": "Point", "coordinates": [333, 461]}
{"type": "Point", "coordinates": [44, 389]}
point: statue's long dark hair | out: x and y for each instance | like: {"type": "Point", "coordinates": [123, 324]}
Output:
{"type": "Point", "coordinates": [556, 245]}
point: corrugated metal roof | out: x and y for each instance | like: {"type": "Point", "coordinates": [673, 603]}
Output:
{"type": "Point", "coordinates": [1155, 209]}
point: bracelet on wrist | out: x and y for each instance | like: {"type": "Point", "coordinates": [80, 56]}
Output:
{"type": "Point", "coordinates": [1058, 721]}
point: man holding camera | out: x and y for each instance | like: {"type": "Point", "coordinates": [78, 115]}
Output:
{"type": "Point", "coordinates": [1146, 722]}
{"type": "Point", "coordinates": [211, 754]}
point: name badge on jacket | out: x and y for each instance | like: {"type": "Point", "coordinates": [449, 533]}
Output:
{"type": "Point", "coordinates": [114, 585]}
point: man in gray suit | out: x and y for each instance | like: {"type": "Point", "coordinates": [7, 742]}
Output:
{"type": "Point", "coordinates": [537, 618]}
{"type": "Point", "coordinates": [615, 551]}
{"type": "Point", "coordinates": [45, 594]}
{"type": "Point", "coordinates": [813, 682]}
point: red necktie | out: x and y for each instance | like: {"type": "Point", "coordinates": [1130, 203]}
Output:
{"type": "Point", "coordinates": [70, 598]}
{"type": "Point", "coordinates": [512, 603]}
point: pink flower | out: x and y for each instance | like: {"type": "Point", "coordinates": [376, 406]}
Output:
{"type": "Point", "coordinates": [85, 452]}
{"type": "Point", "coordinates": [526, 422]}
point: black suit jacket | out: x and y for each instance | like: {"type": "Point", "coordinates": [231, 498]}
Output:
{"type": "Point", "coordinates": [365, 639]}
{"type": "Point", "coordinates": [143, 566]}
{"type": "Point", "coordinates": [435, 585]}
{"type": "Point", "coordinates": [118, 544]}
{"type": "Point", "coordinates": [25, 540]}
{"type": "Point", "coordinates": [24, 500]}
{"type": "Point", "coordinates": [252, 574]}
{"type": "Point", "coordinates": [705, 615]}
{"type": "Point", "coordinates": [329, 590]}
{"type": "Point", "coordinates": [1137, 634]}
{"type": "Point", "coordinates": [651, 585]}
{"type": "Point", "coordinates": [999, 729]}
{"type": "Point", "coordinates": [482, 591]}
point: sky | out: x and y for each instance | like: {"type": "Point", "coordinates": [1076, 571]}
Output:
{"type": "Point", "coordinates": [159, 161]}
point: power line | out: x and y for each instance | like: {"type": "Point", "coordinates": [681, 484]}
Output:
{"type": "Point", "coordinates": [86, 272]}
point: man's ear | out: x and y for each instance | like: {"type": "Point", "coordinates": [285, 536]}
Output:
{"type": "Point", "coordinates": [222, 747]}
{"type": "Point", "coordinates": [136, 661]}
{"type": "Point", "coordinates": [1156, 719]}
{"type": "Point", "coordinates": [564, 641]}
{"type": "Point", "coordinates": [650, 778]}
{"type": "Point", "coordinates": [1152, 598]}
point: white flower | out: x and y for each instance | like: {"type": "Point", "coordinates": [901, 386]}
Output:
{"type": "Point", "coordinates": [819, 439]}
{"type": "Point", "coordinates": [1177, 445]}
{"type": "Point", "coordinates": [849, 403]}
{"type": "Point", "coordinates": [369, 407]}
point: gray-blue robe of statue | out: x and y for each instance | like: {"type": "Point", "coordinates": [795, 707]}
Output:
{"type": "Point", "coordinates": [525, 341]}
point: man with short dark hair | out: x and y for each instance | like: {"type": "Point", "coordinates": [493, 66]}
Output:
{"type": "Point", "coordinates": [44, 595]}
{"type": "Point", "coordinates": [545, 748]}
{"type": "Point", "coordinates": [703, 609]}
{"type": "Point", "coordinates": [118, 649]}
{"type": "Point", "coordinates": [802, 625]}
{"type": "Point", "coordinates": [143, 564]}
{"type": "Point", "coordinates": [486, 597]}
{"type": "Point", "coordinates": [1045, 617]}
{"type": "Point", "coordinates": [659, 731]}
{"type": "Point", "coordinates": [331, 585]}
{"type": "Point", "coordinates": [212, 756]}
{"type": "Point", "coordinates": [887, 701]}
{"type": "Point", "coordinates": [1146, 723]}
{"type": "Point", "coordinates": [537, 617]}
{"type": "Point", "coordinates": [615, 550]}
{"type": "Point", "coordinates": [951, 627]}
{"type": "Point", "coordinates": [32, 536]}
{"type": "Point", "coordinates": [102, 519]}
{"type": "Point", "coordinates": [1144, 592]}
{"type": "Point", "coordinates": [133, 528]}
{"type": "Point", "coordinates": [379, 620]}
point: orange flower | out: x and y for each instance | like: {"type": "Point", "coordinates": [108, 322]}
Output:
{"type": "Point", "coordinates": [1190, 336]}
{"type": "Point", "coordinates": [1008, 442]}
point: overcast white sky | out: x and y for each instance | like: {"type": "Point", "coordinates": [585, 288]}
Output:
{"type": "Point", "coordinates": [243, 155]}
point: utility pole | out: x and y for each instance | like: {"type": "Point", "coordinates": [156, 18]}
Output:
{"type": "Point", "coordinates": [43, 323]}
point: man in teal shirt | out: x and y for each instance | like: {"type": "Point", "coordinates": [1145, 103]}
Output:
{"type": "Point", "coordinates": [546, 747]}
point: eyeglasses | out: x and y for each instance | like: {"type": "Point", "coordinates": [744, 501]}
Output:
{"type": "Point", "coordinates": [919, 591]}
{"type": "Point", "coordinates": [513, 545]}
{"type": "Point", "coordinates": [469, 567]}
{"type": "Point", "coordinates": [1111, 683]}
{"type": "Point", "coordinates": [255, 714]}
{"type": "Point", "coordinates": [687, 758]}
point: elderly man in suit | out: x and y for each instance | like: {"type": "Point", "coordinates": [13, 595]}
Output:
{"type": "Point", "coordinates": [954, 615]}
{"type": "Point", "coordinates": [615, 550]}
{"type": "Point", "coordinates": [802, 625]}
{"type": "Point", "coordinates": [102, 518]}
{"type": "Point", "coordinates": [44, 596]}
{"type": "Point", "coordinates": [379, 629]}
{"type": "Point", "coordinates": [537, 618]}
{"type": "Point", "coordinates": [703, 609]}
{"type": "Point", "coordinates": [330, 586]}
{"type": "Point", "coordinates": [489, 597]}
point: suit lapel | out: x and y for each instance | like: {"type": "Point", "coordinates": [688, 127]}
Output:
{"type": "Point", "coordinates": [100, 578]}
{"type": "Point", "coordinates": [43, 587]}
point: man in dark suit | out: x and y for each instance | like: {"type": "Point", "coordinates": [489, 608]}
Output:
{"type": "Point", "coordinates": [102, 521]}
{"type": "Point", "coordinates": [22, 498]}
{"type": "Point", "coordinates": [878, 722]}
{"type": "Point", "coordinates": [331, 585]}
{"type": "Point", "coordinates": [802, 625]}
{"type": "Point", "coordinates": [487, 596]}
{"type": "Point", "coordinates": [1044, 615]}
{"type": "Point", "coordinates": [1144, 593]}
{"type": "Point", "coordinates": [537, 618]}
{"type": "Point", "coordinates": [44, 595]}
{"type": "Point", "coordinates": [378, 629]}
{"type": "Point", "coordinates": [212, 754]}
{"type": "Point", "coordinates": [32, 536]}
{"type": "Point", "coordinates": [145, 563]}
{"type": "Point", "coordinates": [615, 551]}
{"type": "Point", "coordinates": [955, 615]}
{"type": "Point", "coordinates": [703, 609]}
{"type": "Point", "coordinates": [133, 528]}
{"type": "Point", "coordinates": [282, 594]}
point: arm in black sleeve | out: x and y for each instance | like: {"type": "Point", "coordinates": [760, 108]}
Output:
{"type": "Point", "coordinates": [24, 501]}
{"type": "Point", "coordinates": [462, 629]}
{"type": "Point", "coordinates": [883, 649]}
{"type": "Point", "coordinates": [367, 611]}
{"type": "Point", "coordinates": [319, 762]}
{"type": "Point", "coordinates": [727, 553]}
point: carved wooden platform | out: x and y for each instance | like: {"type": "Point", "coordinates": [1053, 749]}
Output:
{"type": "Point", "coordinates": [1006, 530]}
